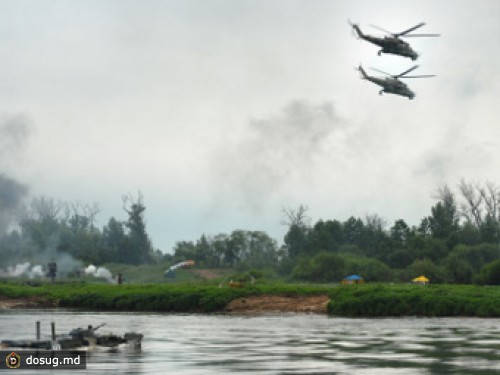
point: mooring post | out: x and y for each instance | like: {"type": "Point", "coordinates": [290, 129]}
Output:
{"type": "Point", "coordinates": [38, 331]}
{"type": "Point", "coordinates": [53, 330]}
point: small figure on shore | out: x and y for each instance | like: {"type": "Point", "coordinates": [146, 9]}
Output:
{"type": "Point", "coordinates": [52, 271]}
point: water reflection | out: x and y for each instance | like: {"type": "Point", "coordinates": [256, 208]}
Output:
{"type": "Point", "coordinates": [279, 344]}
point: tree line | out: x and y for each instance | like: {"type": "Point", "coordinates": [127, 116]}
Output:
{"type": "Point", "coordinates": [458, 242]}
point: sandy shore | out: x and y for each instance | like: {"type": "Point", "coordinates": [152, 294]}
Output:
{"type": "Point", "coordinates": [26, 303]}
{"type": "Point", "coordinates": [278, 304]}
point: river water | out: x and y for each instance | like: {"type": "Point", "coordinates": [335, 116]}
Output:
{"type": "Point", "coordinates": [275, 344]}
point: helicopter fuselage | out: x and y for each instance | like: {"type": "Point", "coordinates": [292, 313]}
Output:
{"type": "Point", "coordinates": [395, 86]}
{"type": "Point", "coordinates": [392, 45]}
{"type": "Point", "coordinates": [391, 86]}
{"type": "Point", "coordinates": [389, 44]}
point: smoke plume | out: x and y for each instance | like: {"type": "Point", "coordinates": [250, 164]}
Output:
{"type": "Point", "coordinates": [11, 196]}
{"type": "Point", "coordinates": [14, 132]}
{"type": "Point", "coordinates": [99, 272]}
{"type": "Point", "coordinates": [23, 270]}
{"type": "Point", "coordinates": [276, 151]}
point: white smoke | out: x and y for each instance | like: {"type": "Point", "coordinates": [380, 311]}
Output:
{"type": "Point", "coordinates": [37, 271]}
{"type": "Point", "coordinates": [99, 272]}
{"type": "Point", "coordinates": [23, 270]}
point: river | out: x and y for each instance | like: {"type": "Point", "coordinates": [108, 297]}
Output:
{"type": "Point", "coordinates": [275, 344]}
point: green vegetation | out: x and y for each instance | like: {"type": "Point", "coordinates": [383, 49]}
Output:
{"type": "Point", "coordinates": [415, 300]}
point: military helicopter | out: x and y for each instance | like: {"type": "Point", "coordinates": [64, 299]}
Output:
{"type": "Point", "coordinates": [392, 84]}
{"type": "Point", "coordinates": [393, 44]}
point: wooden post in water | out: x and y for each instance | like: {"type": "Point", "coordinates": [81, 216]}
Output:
{"type": "Point", "coordinates": [53, 330]}
{"type": "Point", "coordinates": [38, 331]}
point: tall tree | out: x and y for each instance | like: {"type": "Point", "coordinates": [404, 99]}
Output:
{"type": "Point", "coordinates": [298, 229]}
{"type": "Point", "coordinates": [139, 249]}
{"type": "Point", "coordinates": [444, 219]}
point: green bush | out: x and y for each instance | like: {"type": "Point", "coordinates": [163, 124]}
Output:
{"type": "Point", "coordinates": [430, 300]}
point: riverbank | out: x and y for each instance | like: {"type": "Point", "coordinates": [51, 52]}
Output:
{"type": "Point", "coordinates": [196, 298]}
{"type": "Point", "coordinates": [369, 300]}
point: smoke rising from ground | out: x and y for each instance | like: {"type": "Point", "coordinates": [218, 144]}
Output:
{"type": "Point", "coordinates": [99, 272]}
{"type": "Point", "coordinates": [11, 196]}
{"type": "Point", "coordinates": [23, 270]}
{"type": "Point", "coordinates": [14, 132]}
{"type": "Point", "coordinates": [276, 151]}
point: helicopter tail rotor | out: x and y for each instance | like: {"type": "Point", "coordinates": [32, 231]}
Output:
{"type": "Point", "coordinates": [356, 31]}
{"type": "Point", "coordinates": [362, 71]}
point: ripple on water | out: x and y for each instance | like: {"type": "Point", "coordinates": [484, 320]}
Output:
{"type": "Point", "coordinates": [279, 344]}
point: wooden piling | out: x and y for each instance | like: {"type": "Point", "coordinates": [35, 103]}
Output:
{"type": "Point", "coordinates": [53, 330]}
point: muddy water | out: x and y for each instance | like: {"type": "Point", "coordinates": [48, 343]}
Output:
{"type": "Point", "coordinates": [277, 344]}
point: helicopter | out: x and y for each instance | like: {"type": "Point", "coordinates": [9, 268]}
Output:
{"type": "Point", "coordinates": [392, 84]}
{"type": "Point", "coordinates": [392, 43]}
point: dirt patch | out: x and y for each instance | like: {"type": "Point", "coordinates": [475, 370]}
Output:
{"type": "Point", "coordinates": [206, 274]}
{"type": "Point", "coordinates": [273, 304]}
{"type": "Point", "coordinates": [26, 303]}
{"type": "Point", "coordinates": [209, 274]}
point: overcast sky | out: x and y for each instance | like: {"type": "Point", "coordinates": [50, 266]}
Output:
{"type": "Point", "coordinates": [223, 112]}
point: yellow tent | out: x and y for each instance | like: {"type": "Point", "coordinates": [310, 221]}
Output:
{"type": "Point", "coordinates": [420, 280]}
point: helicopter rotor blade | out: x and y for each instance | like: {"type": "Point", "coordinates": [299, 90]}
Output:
{"type": "Point", "coordinates": [419, 35]}
{"type": "Point", "coordinates": [381, 71]}
{"type": "Point", "coordinates": [410, 29]}
{"type": "Point", "coordinates": [406, 72]}
{"type": "Point", "coordinates": [421, 76]}
{"type": "Point", "coordinates": [381, 29]}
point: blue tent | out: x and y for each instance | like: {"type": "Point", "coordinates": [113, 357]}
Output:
{"type": "Point", "coordinates": [353, 279]}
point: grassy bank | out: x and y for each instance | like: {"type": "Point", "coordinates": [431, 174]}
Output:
{"type": "Point", "coordinates": [150, 297]}
{"type": "Point", "coordinates": [413, 300]}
